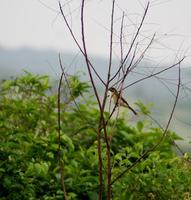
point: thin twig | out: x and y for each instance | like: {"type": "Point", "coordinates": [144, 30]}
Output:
{"type": "Point", "coordinates": [121, 41]}
{"type": "Point", "coordinates": [59, 134]}
{"type": "Point", "coordinates": [174, 143]}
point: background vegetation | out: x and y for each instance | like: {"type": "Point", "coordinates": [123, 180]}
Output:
{"type": "Point", "coordinates": [29, 167]}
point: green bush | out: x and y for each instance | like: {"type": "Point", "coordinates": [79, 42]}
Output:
{"type": "Point", "coordinates": [29, 167]}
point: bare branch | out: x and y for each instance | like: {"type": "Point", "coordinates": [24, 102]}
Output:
{"type": "Point", "coordinates": [86, 55]}
{"type": "Point", "coordinates": [174, 143]}
{"type": "Point", "coordinates": [100, 106]}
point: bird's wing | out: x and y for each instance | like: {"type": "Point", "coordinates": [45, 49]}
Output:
{"type": "Point", "coordinates": [127, 105]}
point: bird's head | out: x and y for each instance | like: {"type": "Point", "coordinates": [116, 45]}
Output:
{"type": "Point", "coordinates": [112, 89]}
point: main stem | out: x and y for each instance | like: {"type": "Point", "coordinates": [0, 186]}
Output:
{"type": "Point", "coordinates": [100, 160]}
{"type": "Point", "coordinates": [108, 174]}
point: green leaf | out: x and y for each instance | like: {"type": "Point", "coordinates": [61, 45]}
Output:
{"type": "Point", "coordinates": [140, 126]}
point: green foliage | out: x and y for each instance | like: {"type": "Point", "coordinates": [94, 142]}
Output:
{"type": "Point", "coordinates": [144, 109]}
{"type": "Point", "coordinates": [29, 167]}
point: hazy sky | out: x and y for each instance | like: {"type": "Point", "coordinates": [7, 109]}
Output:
{"type": "Point", "coordinates": [29, 23]}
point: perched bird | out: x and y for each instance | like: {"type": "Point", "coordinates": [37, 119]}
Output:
{"type": "Point", "coordinates": [119, 100]}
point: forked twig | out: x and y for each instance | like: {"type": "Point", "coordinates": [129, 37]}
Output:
{"type": "Point", "coordinates": [77, 43]}
{"type": "Point", "coordinates": [133, 41]}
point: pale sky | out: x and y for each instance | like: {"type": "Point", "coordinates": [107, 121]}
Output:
{"type": "Point", "coordinates": [29, 23]}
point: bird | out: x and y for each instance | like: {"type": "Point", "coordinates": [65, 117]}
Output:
{"type": "Point", "coordinates": [119, 100]}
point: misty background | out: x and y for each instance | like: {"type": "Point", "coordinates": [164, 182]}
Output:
{"type": "Point", "coordinates": [33, 34]}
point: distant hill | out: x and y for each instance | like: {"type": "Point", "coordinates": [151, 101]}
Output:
{"type": "Point", "coordinates": [41, 61]}
{"type": "Point", "coordinates": [12, 62]}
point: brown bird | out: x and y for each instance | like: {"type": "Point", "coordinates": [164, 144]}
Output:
{"type": "Point", "coordinates": [119, 100]}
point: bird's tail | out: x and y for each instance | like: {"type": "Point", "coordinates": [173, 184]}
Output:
{"type": "Point", "coordinates": [134, 112]}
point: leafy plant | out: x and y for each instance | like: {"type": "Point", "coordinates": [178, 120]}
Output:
{"type": "Point", "coordinates": [29, 167]}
